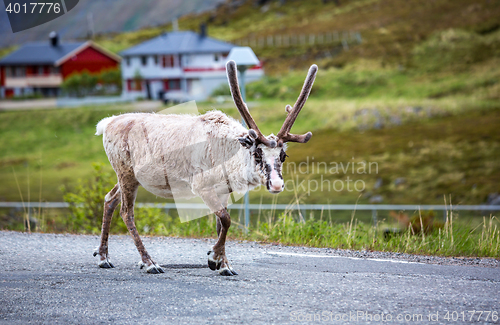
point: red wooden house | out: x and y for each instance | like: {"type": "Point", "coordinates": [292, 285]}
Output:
{"type": "Point", "coordinates": [41, 67]}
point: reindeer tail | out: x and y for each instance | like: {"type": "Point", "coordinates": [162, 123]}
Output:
{"type": "Point", "coordinates": [101, 126]}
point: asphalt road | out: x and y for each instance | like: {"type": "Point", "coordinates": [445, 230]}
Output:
{"type": "Point", "coordinates": [46, 278]}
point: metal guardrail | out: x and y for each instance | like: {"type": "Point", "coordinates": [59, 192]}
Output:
{"type": "Point", "coordinates": [302, 207]}
{"type": "Point", "coordinates": [396, 207]}
{"type": "Point", "coordinates": [52, 205]}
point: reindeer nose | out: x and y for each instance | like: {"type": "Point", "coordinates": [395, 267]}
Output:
{"type": "Point", "coordinates": [276, 185]}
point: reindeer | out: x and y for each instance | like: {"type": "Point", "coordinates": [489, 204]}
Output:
{"type": "Point", "coordinates": [184, 156]}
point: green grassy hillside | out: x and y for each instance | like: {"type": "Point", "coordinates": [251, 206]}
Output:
{"type": "Point", "coordinates": [418, 161]}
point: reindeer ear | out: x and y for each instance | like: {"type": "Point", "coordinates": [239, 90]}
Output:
{"type": "Point", "coordinates": [246, 141]}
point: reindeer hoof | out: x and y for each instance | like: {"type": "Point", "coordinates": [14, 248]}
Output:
{"type": "Point", "coordinates": [152, 269]}
{"type": "Point", "coordinates": [220, 264]}
{"type": "Point", "coordinates": [227, 271]}
{"type": "Point", "coordinates": [106, 264]}
{"type": "Point", "coordinates": [213, 264]}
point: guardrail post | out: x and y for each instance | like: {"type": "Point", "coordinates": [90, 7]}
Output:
{"type": "Point", "coordinates": [247, 213]}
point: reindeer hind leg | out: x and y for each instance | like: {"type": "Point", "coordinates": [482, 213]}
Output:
{"type": "Point", "coordinates": [129, 188]}
{"type": "Point", "coordinates": [110, 203]}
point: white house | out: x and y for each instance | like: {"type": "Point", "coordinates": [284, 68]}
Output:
{"type": "Point", "coordinates": [180, 65]}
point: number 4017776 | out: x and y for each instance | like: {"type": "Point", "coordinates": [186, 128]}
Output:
{"type": "Point", "coordinates": [471, 316]}
{"type": "Point", "coordinates": [34, 8]}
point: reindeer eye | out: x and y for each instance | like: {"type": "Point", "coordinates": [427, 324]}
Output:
{"type": "Point", "coordinates": [258, 156]}
{"type": "Point", "coordinates": [283, 156]}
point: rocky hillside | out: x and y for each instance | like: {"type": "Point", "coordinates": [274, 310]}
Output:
{"type": "Point", "coordinates": [104, 17]}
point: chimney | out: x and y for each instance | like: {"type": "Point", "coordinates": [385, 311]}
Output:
{"type": "Point", "coordinates": [54, 38]}
{"type": "Point", "coordinates": [203, 30]}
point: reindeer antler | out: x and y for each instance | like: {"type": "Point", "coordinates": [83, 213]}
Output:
{"type": "Point", "coordinates": [242, 107]}
{"type": "Point", "coordinates": [284, 134]}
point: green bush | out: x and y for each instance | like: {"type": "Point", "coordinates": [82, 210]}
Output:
{"type": "Point", "coordinates": [111, 77]}
{"type": "Point", "coordinates": [111, 80]}
{"type": "Point", "coordinates": [80, 84]}
{"type": "Point", "coordinates": [30, 96]}
{"type": "Point", "coordinates": [72, 84]}
{"type": "Point", "coordinates": [85, 83]}
{"type": "Point", "coordinates": [86, 204]}
{"type": "Point", "coordinates": [222, 90]}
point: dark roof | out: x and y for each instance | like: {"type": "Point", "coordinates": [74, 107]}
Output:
{"type": "Point", "coordinates": [40, 53]}
{"type": "Point", "coordinates": [178, 43]}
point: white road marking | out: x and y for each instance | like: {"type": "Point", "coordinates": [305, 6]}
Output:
{"type": "Point", "coordinates": [352, 258]}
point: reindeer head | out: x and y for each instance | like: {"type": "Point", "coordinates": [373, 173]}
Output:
{"type": "Point", "coordinates": [269, 152]}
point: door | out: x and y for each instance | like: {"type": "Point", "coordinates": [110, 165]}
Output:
{"type": "Point", "coordinates": [148, 90]}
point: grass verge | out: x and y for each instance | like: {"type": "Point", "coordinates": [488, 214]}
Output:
{"type": "Point", "coordinates": [453, 238]}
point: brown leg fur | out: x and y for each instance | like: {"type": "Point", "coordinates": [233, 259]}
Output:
{"type": "Point", "coordinates": [113, 198]}
{"type": "Point", "coordinates": [129, 187]}
{"type": "Point", "coordinates": [217, 259]}
{"type": "Point", "coordinates": [218, 227]}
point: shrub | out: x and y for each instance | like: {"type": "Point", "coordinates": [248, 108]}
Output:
{"type": "Point", "coordinates": [80, 84]}
{"type": "Point", "coordinates": [111, 77]}
{"type": "Point", "coordinates": [86, 204]}
{"type": "Point", "coordinates": [85, 83]}
{"type": "Point", "coordinates": [222, 90]}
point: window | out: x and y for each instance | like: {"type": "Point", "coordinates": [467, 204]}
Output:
{"type": "Point", "coordinates": [40, 70]}
{"type": "Point", "coordinates": [133, 84]}
{"type": "Point", "coordinates": [156, 59]}
{"type": "Point", "coordinates": [216, 57]}
{"type": "Point", "coordinates": [8, 71]}
{"type": "Point", "coordinates": [20, 72]}
{"type": "Point", "coordinates": [168, 61]}
{"type": "Point", "coordinates": [144, 60]}
{"type": "Point", "coordinates": [173, 84]}
{"type": "Point", "coordinates": [127, 61]}
{"type": "Point", "coordinates": [54, 70]}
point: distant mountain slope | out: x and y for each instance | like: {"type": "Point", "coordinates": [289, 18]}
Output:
{"type": "Point", "coordinates": [108, 16]}
{"type": "Point", "coordinates": [390, 29]}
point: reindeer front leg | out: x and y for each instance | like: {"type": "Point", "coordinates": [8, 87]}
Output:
{"type": "Point", "coordinates": [217, 259]}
